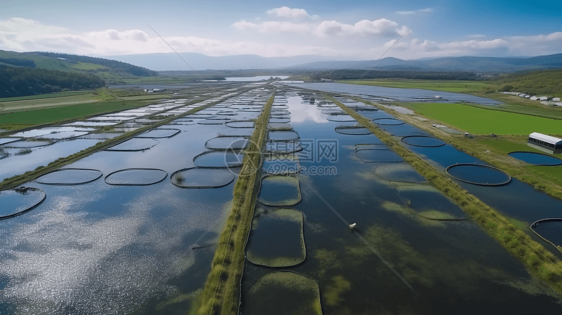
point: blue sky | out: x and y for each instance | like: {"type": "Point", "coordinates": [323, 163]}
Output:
{"type": "Point", "coordinates": [339, 29]}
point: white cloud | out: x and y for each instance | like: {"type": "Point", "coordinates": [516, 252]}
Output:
{"type": "Point", "coordinates": [426, 10]}
{"type": "Point", "coordinates": [286, 12]}
{"type": "Point", "coordinates": [274, 27]}
{"type": "Point", "coordinates": [364, 28]}
{"type": "Point", "coordinates": [362, 40]}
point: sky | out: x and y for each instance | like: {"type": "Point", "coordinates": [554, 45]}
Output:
{"type": "Point", "coordinates": [341, 30]}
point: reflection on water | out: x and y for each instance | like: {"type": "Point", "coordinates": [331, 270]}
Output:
{"type": "Point", "coordinates": [102, 249]}
{"type": "Point", "coordinates": [453, 264]}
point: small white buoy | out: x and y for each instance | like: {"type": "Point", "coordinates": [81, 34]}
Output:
{"type": "Point", "coordinates": [352, 226]}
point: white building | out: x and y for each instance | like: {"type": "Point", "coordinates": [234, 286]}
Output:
{"type": "Point", "coordinates": [545, 143]}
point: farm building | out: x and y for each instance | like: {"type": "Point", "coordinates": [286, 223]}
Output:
{"type": "Point", "coordinates": [544, 142]}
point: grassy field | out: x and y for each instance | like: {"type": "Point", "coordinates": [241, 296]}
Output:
{"type": "Point", "coordinates": [41, 96]}
{"type": "Point", "coordinates": [482, 121]}
{"type": "Point", "coordinates": [436, 85]}
{"type": "Point", "coordinates": [46, 102]}
{"type": "Point", "coordinates": [513, 104]}
{"type": "Point", "coordinates": [87, 66]}
{"type": "Point", "coordinates": [30, 118]}
{"type": "Point", "coordinates": [158, 80]}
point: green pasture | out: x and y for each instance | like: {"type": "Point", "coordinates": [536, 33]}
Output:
{"type": "Point", "coordinates": [30, 118]}
{"type": "Point", "coordinates": [485, 121]}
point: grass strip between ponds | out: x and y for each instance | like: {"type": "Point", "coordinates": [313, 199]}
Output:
{"type": "Point", "coordinates": [221, 292]}
{"type": "Point", "coordinates": [539, 261]}
{"type": "Point", "coordinates": [17, 180]}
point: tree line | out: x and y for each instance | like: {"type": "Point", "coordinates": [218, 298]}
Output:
{"type": "Point", "coordinates": [546, 82]}
{"type": "Point", "coordinates": [17, 81]}
{"type": "Point", "coordinates": [18, 62]}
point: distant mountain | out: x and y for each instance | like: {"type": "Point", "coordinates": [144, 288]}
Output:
{"type": "Point", "coordinates": [171, 62]}
{"type": "Point", "coordinates": [477, 64]}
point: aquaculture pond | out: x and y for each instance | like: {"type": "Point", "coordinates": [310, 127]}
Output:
{"type": "Point", "coordinates": [130, 242]}
{"type": "Point", "coordinates": [536, 158]}
{"type": "Point", "coordinates": [378, 93]}
{"type": "Point", "coordinates": [27, 158]}
{"type": "Point", "coordinates": [411, 247]}
{"type": "Point", "coordinates": [518, 201]}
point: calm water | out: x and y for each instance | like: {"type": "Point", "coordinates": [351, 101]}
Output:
{"type": "Point", "coordinates": [404, 95]}
{"type": "Point", "coordinates": [455, 265]}
{"type": "Point", "coordinates": [256, 78]}
{"type": "Point", "coordinates": [103, 249]}
{"type": "Point", "coordinates": [536, 158]}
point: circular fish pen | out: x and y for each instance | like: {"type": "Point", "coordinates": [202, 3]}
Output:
{"type": "Point", "coordinates": [4, 141]}
{"type": "Point", "coordinates": [281, 164]}
{"type": "Point", "coordinates": [382, 155]}
{"type": "Point", "coordinates": [388, 121]}
{"type": "Point", "coordinates": [240, 124]}
{"type": "Point", "coordinates": [279, 126]}
{"type": "Point", "coordinates": [549, 230]}
{"type": "Point", "coordinates": [477, 174]}
{"type": "Point", "coordinates": [62, 135]}
{"type": "Point", "coordinates": [136, 177]}
{"type": "Point", "coordinates": [287, 135]}
{"type": "Point", "coordinates": [279, 191]}
{"type": "Point", "coordinates": [341, 118]}
{"type": "Point", "coordinates": [227, 143]}
{"type": "Point", "coordinates": [27, 144]}
{"type": "Point", "coordinates": [283, 292]}
{"type": "Point", "coordinates": [223, 118]}
{"type": "Point", "coordinates": [537, 159]}
{"type": "Point", "coordinates": [280, 112]}
{"type": "Point", "coordinates": [159, 133]}
{"type": "Point", "coordinates": [280, 120]}
{"type": "Point", "coordinates": [277, 238]}
{"type": "Point", "coordinates": [430, 203]}
{"type": "Point", "coordinates": [399, 172]}
{"type": "Point", "coordinates": [133, 145]}
{"type": "Point", "coordinates": [423, 141]}
{"type": "Point", "coordinates": [210, 122]}
{"type": "Point", "coordinates": [19, 201]}
{"type": "Point", "coordinates": [200, 178]}
{"type": "Point", "coordinates": [239, 132]}
{"type": "Point", "coordinates": [353, 130]}
{"type": "Point", "coordinates": [70, 176]}
{"type": "Point", "coordinates": [283, 147]}
{"type": "Point", "coordinates": [218, 159]}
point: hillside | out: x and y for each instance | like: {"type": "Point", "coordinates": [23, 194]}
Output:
{"type": "Point", "coordinates": [547, 82]}
{"type": "Point", "coordinates": [110, 71]}
{"type": "Point", "coordinates": [24, 81]}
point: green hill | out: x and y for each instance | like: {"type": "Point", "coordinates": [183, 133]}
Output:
{"type": "Point", "coordinates": [110, 71]}
{"type": "Point", "coordinates": [547, 82]}
{"type": "Point", "coordinates": [24, 81]}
